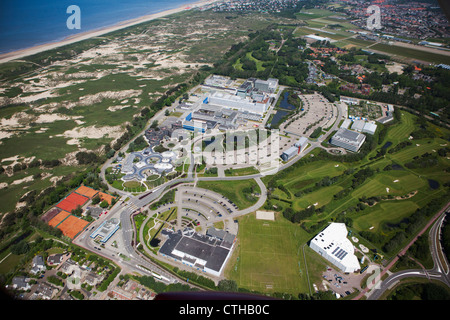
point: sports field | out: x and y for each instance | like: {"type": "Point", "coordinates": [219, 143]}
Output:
{"type": "Point", "coordinates": [72, 201]}
{"type": "Point", "coordinates": [104, 196]}
{"type": "Point", "coordinates": [72, 225]}
{"type": "Point", "coordinates": [55, 221]}
{"type": "Point", "coordinates": [86, 191]}
{"type": "Point", "coordinates": [269, 256]}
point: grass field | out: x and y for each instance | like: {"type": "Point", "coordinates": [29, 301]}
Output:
{"type": "Point", "coordinates": [269, 256]}
{"type": "Point", "coordinates": [233, 190]}
{"type": "Point", "coordinates": [403, 191]}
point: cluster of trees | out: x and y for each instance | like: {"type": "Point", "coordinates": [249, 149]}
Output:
{"type": "Point", "coordinates": [297, 216]}
{"type": "Point", "coordinates": [33, 164]}
{"type": "Point", "coordinates": [422, 291]}
{"type": "Point", "coordinates": [160, 287]}
{"type": "Point", "coordinates": [138, 144]}
{"type": "Point", "coordinates": [426, 160]}
{"type": "Point", "coordinates": [287, 65]}
{"type": "Point", "coordinates": [87, 157]}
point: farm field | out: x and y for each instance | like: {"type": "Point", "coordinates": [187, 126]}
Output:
{"type": "Point", "coordinates": [411, 53]}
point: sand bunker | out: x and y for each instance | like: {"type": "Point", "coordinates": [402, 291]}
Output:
{"type": "Point", "coordinates": [265, 215]}
{"type": "Point", "coordinates": [363, 248]}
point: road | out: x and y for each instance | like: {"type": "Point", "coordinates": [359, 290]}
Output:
{"type": "Point", "coordinates": [440, 270]}
{"type": "Point", "coordinates": [129, 258]}
{"type": "Point", "coordinates": [126, 255]}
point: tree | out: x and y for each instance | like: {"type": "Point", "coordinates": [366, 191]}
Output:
{"type": "Point", "coordinates": [104, 204]}
{"type": "Point", "coordinates": [20, 248]}
{"type": "Point", "coordinates": [96, 199]}
{"type": "Point", "coordinates": [227, 285]}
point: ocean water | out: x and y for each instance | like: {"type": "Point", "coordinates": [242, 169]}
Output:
{"type": "Point", "coordinates": [27, 23]}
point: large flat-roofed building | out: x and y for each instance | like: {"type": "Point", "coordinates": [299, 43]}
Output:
{"type": "Point", "coordinates": [208, 253]}
{"type": "Point", "coordinates": [239, 103]}
{"type": "Point", "coordinates": [348, 139]}
{"type": "Point", "coordinates": [332, 244]}
{"type": "Point", "coordinates": [301, 143]}
{"type": "Point", "coordinates": [298, 147]}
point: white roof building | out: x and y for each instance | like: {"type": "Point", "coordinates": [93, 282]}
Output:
{"type": "Point", "coordinates": [369, 128]}
{"type": "Point", "coordinates": [317, 38]}
{"type": "Point", "coordinates": [358, 125]}
{"type": "Point", "coordinates": [333, 245]}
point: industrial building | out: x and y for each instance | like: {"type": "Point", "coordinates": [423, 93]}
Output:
{"type": "Point", "coordinates": [364, 126]}
{"type": "Point", "coordinates": [369, 128]}
{"type": "Point", "coordinates": [332, 244]}
{"type": "Point", "coordinates": [289, 153]}
{"type": "Point", "coordinates": [346, 123]}
{"type": "Point", "coordinates": [208, 253]}
{"type": "Point", "coordinates": [347, 139]}
{"type": "Point", "coordinates": [348, 100]}
{"type": "Point", "coordinates": [301, 143]}
{"type": "Point", "coordinates": [358, 125]}
{"type": "Point", "coordinates": [298, 147]}
{"type": "Point", "coordinates": [256, 104]}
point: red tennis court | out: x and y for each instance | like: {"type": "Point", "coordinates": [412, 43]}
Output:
{"type": "Point", "coordinates": [72, 225]}
{"type": "Point", "coordinates": [58, 218]}
{"type": "Point", "coordinates": [105, 196]}
{"type": "Point", "coordinates": [86, 191]}
{"type": "Point", "coordinates": [72, 201]}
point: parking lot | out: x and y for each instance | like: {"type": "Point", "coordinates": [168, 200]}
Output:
{"type": "Point", "coordinates": [339, 282]}
{"type": "Point", "coordinates": [318, 112]}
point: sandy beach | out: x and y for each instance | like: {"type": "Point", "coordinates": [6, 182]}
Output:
{"type": "Point", "coordinates": [98, 32]}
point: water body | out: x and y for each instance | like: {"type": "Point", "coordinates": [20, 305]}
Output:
{"type": "Point", "coordinates": [27, 23]}
{"type": "Point", "coordinates": [284, 103]}
{"type": "Point", "coordinates": [277, 117]}
{"type": "Point", "coordinates": [386, 145]}
{"type": "Point", "coordinates": [433, 184]}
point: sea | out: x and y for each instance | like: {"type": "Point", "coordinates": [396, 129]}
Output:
{"type": "Point", "coordinates": [27, 23]}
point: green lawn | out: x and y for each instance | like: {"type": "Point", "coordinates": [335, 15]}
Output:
{"type": "Point", "coordinates": [391, 211]}
{"type": "Point", "coordinates": [269, 256]}
{"type": "Point", "coordinates": [233, 190]}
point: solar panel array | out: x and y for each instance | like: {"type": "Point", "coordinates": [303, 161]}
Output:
{"type": "Point", "coordinates": [339, 253]}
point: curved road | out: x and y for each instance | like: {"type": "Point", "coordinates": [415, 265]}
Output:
{"type": "Point", "coordinates": [440, 270]}
{"type": "Point", "coordinates": [125, 211]}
